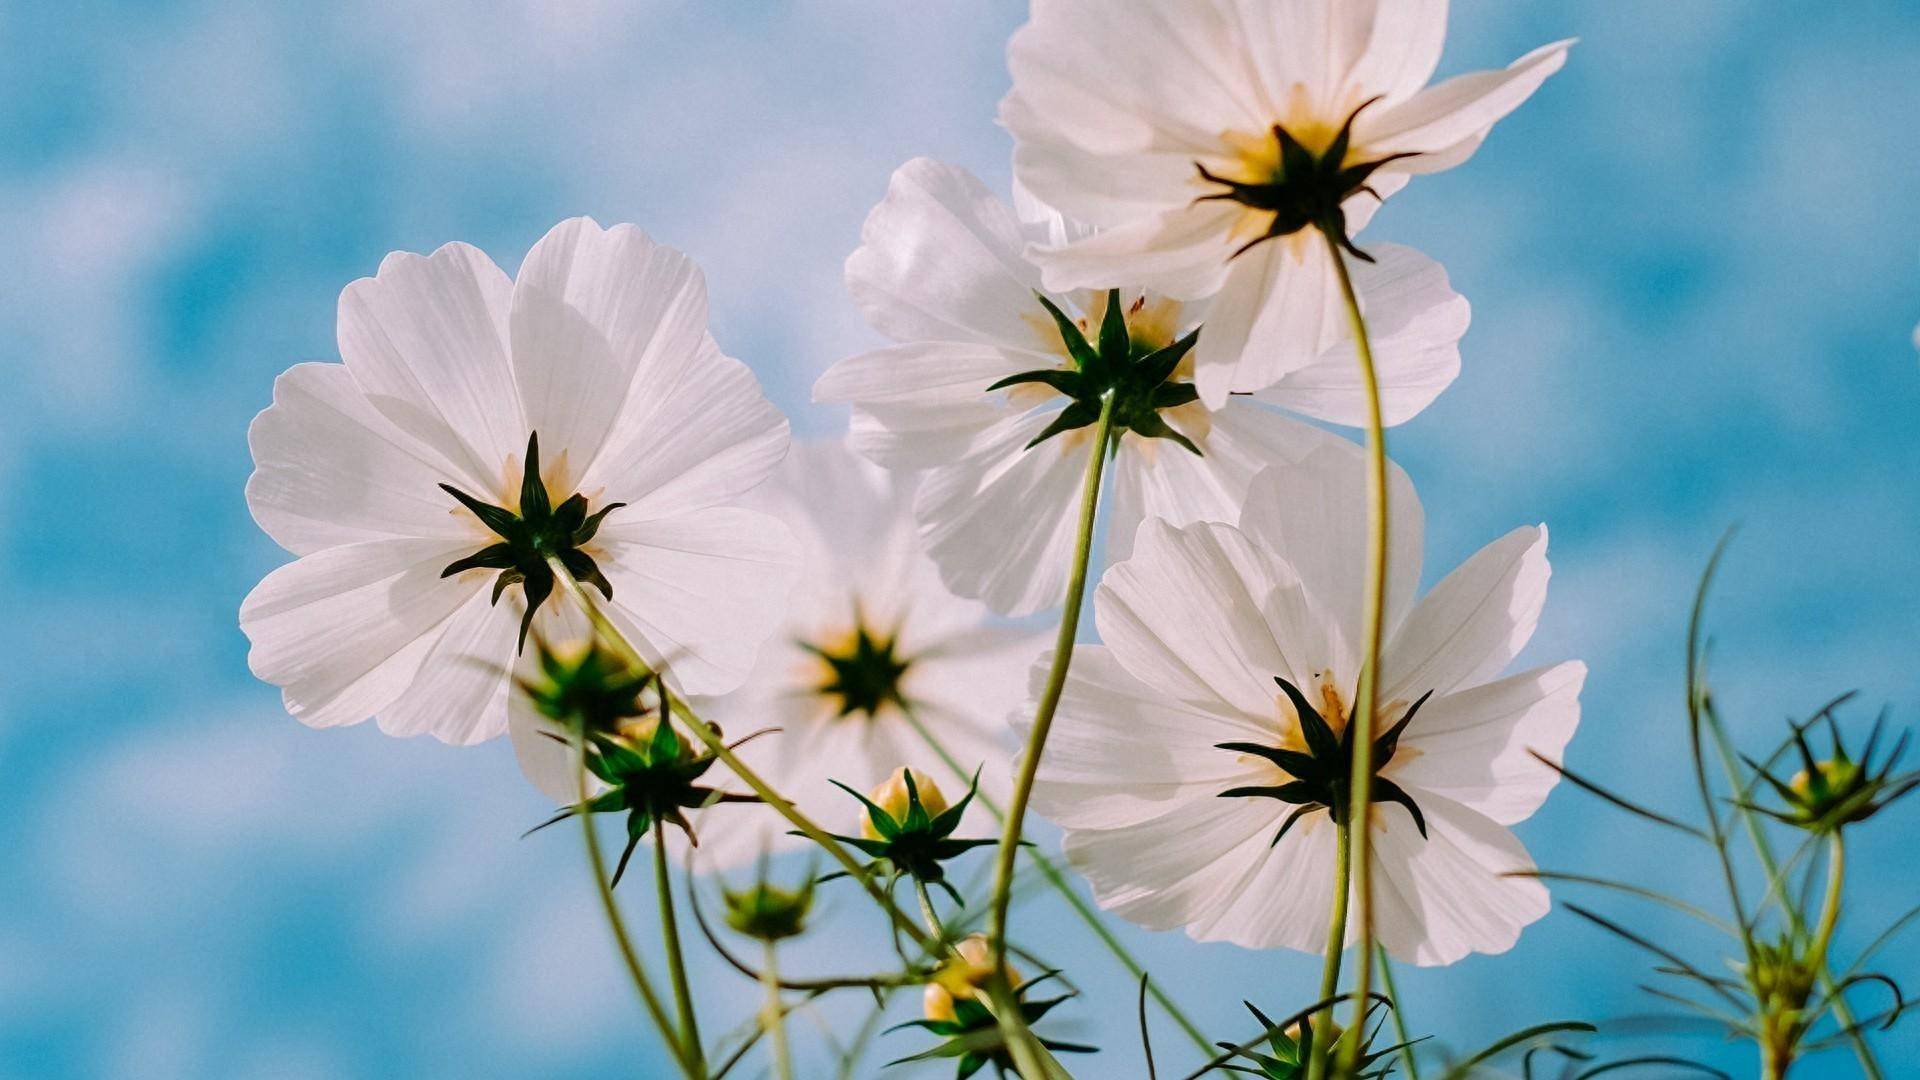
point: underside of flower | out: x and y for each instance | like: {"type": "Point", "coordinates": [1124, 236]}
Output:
{"type": "Point", "coordinates": [1136, 373]}
{"type": "Point", "coordinates": [1304, 190]}
{"type": "Point", "coordinates": [540, 531]}
{"type": "Point", "coordinates": [864, 671]}
{"type": "Point", "coordinates": [1322, 774]}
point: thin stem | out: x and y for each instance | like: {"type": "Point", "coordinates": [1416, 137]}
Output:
{"type": "Point", "coordinates": [1762, 847]}
{"type": "Point", "coordinates": [1019, 1040]}
{"type": "Point", "coordinates": [931, 916]}
{"type": "Point", "coordinates": [1336, 943]}
{"type": "Point", "coordinates": [711, 739]}
{"type": "Point", "coordinates": [641, 983]}
{"type": "Point", "coordinates": [773, 1016]}
{"type": "Point", "coordinates": [1360, 813]}
{"type": "Point", "coordinates": [1830, 911]}
{"type": "Point", "coordinates": [1399, 1016]}
{"type": "Point", "coordinates": [676, 964]}
{"type": "Point", "coordinates": [1058, 880]}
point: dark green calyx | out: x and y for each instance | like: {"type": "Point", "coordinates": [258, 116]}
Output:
{"type": "Point", "coordinates": [1322, 775]}
{"type": "Point", "coordinates": [1290, 1049]}
{"type": "Point", "coordinates": [1830, 793]}
{"type": "Point", "coordinates": [589, 688]}
{"type": "Point", "coordinates": [539, 532]}
{"type": "Point", "coordinates": [972, 1037]}
{"type": "Point", "coordinates": [651, 774]}
{"type": "Point", "coordinates": [917, 843]}
{"type": "Point", "coordinates": [864, 673]}
{"type": "Point", "coordinates": [1306, 190]}
{"type": "Point", "coordinates": [1136, 374]}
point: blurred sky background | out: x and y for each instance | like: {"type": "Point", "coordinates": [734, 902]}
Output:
{"type": "Point", "coordinates": [1694, 260]}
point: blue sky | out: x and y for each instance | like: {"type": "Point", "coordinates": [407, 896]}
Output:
{"type": "Point", "coordinates": [1695, 267]}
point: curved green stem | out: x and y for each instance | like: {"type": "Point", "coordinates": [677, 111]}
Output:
{"type": "Point", "coordinates": [1400, 1036]}
{"type": "Point", "coordinates": [1830, 910]}
{"type": "Point", "coordinates": [641, 983]}
{"type": "Point", "coordinates": [1058, 881]}
{"type": "Point", "coordinates": [676, 964]}
{"type": "Point", "coordinates": [932, 917]}
{"type": "Point", "coordinates": [1026, 1052]}
{"type": "Point", "coordinates": [1336, 944]}
{"type": "Point", "coordinates": [773, 1016]}
{"type": "Point", "coordinates": [1360, 813]}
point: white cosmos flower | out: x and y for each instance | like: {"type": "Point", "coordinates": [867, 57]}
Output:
{"type": "Point", "coordinates": [600, 347]}
{"type": "Point", "coordinates": [941, 270]}
{"type": "Point", "coordinates": [1116, 107]}
{"type": "Point", "coordinates": [841, 711]}
{"type": "Point", "coordinates": [1199, 626]}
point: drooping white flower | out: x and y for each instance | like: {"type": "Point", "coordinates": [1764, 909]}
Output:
{"type": "Point", "coordinates": [871, 644]}
{"type": "Point", "coordinates": [1211, 630]}
{"type": "Point", "coordinates": [942, 271]}
{"type": "Point", "coordinates": [377, 472]}
{"type": "Point", "coordinates": [1171, 124]}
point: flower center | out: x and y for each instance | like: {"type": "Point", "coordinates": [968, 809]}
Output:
{"type": "Point", "coordinates": [863, 671]}
{"type": "Point", "coordinates": [1319, 775]}
{"type": "Point", "coordinates": [1300, 186]}
{"type": "Point", "coordinates": [530, 539]}
{"type": "Point", "coordinates": [1133, 360]}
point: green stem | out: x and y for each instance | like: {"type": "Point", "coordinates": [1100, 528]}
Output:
{"type": "Point", "coordinates": [1336, 943]}
{"type": "Point", "coordinates": [1399, 1016]}
{"type": "Point", "coordinates": [711, 739]}
{"type": "Point", "coordinates": [641, 983]}
{"type": "Point", "coordinates": [773, 1016]}
{"type": "Point", "coordinates": [1830, 911]}
{"type": "Point", "coordinates": [676, 964]}
{"type": "Point", "coordinates": [1058, 880]}
{"type": "Point", "coordinates": [1842, 1011]}
{"type": "Point", "coordinates": [932, 917]}
{"type": "Point", "coordinates": [1026, 1052]}
{"type": "Point", "coordinates": [1360, 812]}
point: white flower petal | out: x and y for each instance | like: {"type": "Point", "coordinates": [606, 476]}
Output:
{"type": "Point", "coordinates": [699, 592]}
{"type": "Point", "coordinates": [1415, 321]}
{"type": "Point", "coordinates": [1000, 523]}
{"type": "Point", "coordinates": [330, 469]}
{"type": "Point", "coordinates": [940, 260]}
{"type": "Point", "coordinates": [1185, 616]}
{"type": "Point", "coordinates": [921, 405]}
{"type": "Point", "coordinates": [1462, 109]}
{"type": "Point", "coordinates": [1473, 623]}
{"type": "Point", "coordinates": [1179, 867]}
{"type": "Point", "coordinates": [705, 437]}
{"type": "Point", "coordinates": [343, 631]}
{"type": "Point", "coordinates": [1184, 252]}
{"type": "Point", "coordinates": [547, 761]}
{"type": "Point", "coordinates": [1403, 47]}
{"type": "Point", "coordinates": [1119, 750]}
{"type": "Point", "coordinates": [1285, 901]}
{"type": "Point", "coordinates": [1314, 515]}
{"type": "Point", "coordinates": [460, 693]}
{"type": "Point", "coordinates": [1277, 312]}
{"type": "Point", "coordinates": [594, 311]}
{"type": "Point", "coordinates": [1439, 898]}
{"type": "Point", "coordinates": [1476, 746]}
{"type": "Point", "coordinates": [426, 339]}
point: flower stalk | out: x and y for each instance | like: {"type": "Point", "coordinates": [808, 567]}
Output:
{"type": "Point", "coordinates": [773, 1014]}
{"type": "Point", "coordinates": [1322, 1021]}
{"type": "Point", "coordinates": [676, 963]}
{"type": "Point", "coordinates": [641, 984]}
{"type": "Point", "coordinates": [1026, 1054]}
{"type": "Point", "coordinates": [1360, 815]}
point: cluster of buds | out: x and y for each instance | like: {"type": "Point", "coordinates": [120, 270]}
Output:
{"type": "Point", "coordinates": [623, 722]}
{"type": "Point", "coordinates": [954, 1006]}
{"type": "Point", "coordinates": [1830, 793]}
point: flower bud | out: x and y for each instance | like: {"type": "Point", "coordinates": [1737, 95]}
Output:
{"type": "Point", "coordinates": [891, 796]}
{"type": "Point", "coordinates": [966, 972]}
{"type": "Point", "coordinates": [768, 912]}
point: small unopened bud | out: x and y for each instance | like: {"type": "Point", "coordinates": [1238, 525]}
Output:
{"type": "Point", "coordinates": [768, 912]}
{"type": "Point", "coordinates": [966, 972]}
{"type": "Point", "coordinates": [891, 796]}
{"type": "Point", "coordinates": [1834, 775]}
